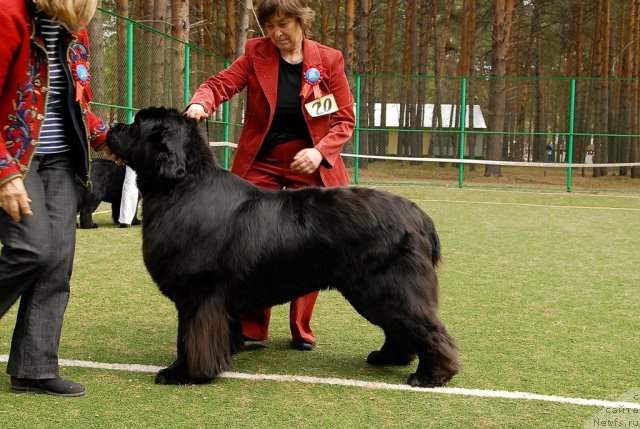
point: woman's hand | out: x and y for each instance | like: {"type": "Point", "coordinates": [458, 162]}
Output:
{"type": "Point", "coordinates": [14, 199]}
{"type": "Point", "coordinates": [306, 161]}
{"type": "Point", "coordinates": [196, 111]}
{"type": "Point", "coordinates": [112, 156]}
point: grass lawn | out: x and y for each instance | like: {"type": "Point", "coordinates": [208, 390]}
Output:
{"type": "Point", "coordinates": [540, 290]}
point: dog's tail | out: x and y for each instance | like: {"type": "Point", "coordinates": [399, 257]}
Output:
{"type": "Point", "coordinates": [207, 342]}
{"type": "Point", "coordinates": [436, 250]}
{"type": "Point", "coordinates": [427, 230]}
{"type": "Point", "coordinates": [430, 235]}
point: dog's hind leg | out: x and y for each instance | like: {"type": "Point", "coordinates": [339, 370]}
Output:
{"type": "Point", "coordinates": [418, 333]}
{"type": "Point", "coordinates": [406, 309]}
{"type": "Point", "coordinates": [391, 353]}
{"type": "Point", "coordinates": [204, 344]}
{"type": "Point", "coordinates": [438, 361]}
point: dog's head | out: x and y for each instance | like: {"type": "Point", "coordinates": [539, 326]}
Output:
{"type": "Point", "coordinates": [161, 145]}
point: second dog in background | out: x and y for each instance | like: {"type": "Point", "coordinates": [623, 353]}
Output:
{"type": "Point", "coordinates": [106, 185]}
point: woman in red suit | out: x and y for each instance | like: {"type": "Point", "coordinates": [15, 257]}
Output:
{"type": "Point", "coordinates": [298, 117]}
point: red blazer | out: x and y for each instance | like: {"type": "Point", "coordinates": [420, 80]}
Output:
{"type": "Point", "coordinates": [24, 77]}
{"type": "Point", "coordinates": [257, 70]}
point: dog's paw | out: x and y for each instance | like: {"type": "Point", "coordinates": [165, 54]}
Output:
{"type": "Point", "coordinates": [87, 226]}
{"type": "Point", "coordinates": [428, 380]}
{"type": "Point", "coordinates": [381, 358]}
{"type": "Point", "coordinates": [177, 374]}
{"type": "Point", "coordinates": [174, 376]}
{"type": "Point", "coordinates": [170, 376]}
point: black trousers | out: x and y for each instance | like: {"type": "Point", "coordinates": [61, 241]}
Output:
{"type": "Point", "coordinates": [35, 265]}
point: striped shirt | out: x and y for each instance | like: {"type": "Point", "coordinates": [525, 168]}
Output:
{"type": "Point", "coordinates": [52, 134]}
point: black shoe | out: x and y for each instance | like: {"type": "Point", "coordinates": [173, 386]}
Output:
{"type": "Point", "coordinates": [303, 345]}
{"type": "Point", "coordinates": [50, 386]}
{"type": "Point", "coordinates": [125, 225]}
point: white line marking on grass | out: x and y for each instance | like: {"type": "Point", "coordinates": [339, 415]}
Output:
{"type": "Point", "coordinates": [593, 193]}
{"type": "Point", "coordinates": [501, 394]}
{"type": "Point", "coordinates": [632, 209]}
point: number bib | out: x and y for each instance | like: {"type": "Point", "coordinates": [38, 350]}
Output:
{"type": "Point", "coordinates": [322, 106]}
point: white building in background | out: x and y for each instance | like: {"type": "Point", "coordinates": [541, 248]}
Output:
{"type": "Point", "coordinates": [448, 114]}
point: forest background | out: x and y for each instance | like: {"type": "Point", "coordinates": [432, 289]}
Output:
{"type": "Point", "coordinates": [519, 56]}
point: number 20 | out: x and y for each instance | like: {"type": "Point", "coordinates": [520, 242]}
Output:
{"type": "Point", "coordinates": [322, 106]}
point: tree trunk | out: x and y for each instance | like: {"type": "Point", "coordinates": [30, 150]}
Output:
{"type": "Point", "coordinates": [500, 46]}
{"type": "Point", "coordinates": [229, 38]}
{"type": "Point", "coordinates": [540, 141]}
{"type": "Point", "coordinates": [623, 98]}
{"type": "Point", "coordinates": [601, 70]}
{"type": "Point", "coordinates": [388, 95]}
{"type": "Point", "coordinates": [96, 34]}
{"type": "Point", "coordinates": [367, 108]}
{"type": "Point", "coordinates": [441, 72]}
{"type": "Point", "coordinates": [406, 105]}
{"type": "Point", "coordinates": [336, 26]}
{"type": "Point", "coordinates": [635, 125]}
{"type": "Point", "coordinates": [349, 49]}
{"type": "Point", "coordinates": [465, 67]}
{"type": "Point", "coordinates": [324, 22]}
{"type": "Point", "coordinates": [243, 25]}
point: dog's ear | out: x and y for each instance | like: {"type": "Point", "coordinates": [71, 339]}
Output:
{"type": "Point", "coordinates": [171, 154]}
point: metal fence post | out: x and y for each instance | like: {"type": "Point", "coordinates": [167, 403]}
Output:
{"type": "Point", "coordinates": [129, 71]}
{"type": "Point", "coordinates": [572, 111]}
{"type": "Point", "coordinates": [463, 120]}
{"type": "Point", "coordinates": [225, 113]}
{"type": "Point", "coordinates": [356, 137]}
{"type": "Point", "coordinates": [187, 73]}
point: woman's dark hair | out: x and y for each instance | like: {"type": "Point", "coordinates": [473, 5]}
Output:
{"type": "Point", "coordinates": [298, 9]}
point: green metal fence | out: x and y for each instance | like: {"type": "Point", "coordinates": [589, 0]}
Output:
{"type": "Point", "coordinates": [550, 133]}
{"type": "Point", "coordinates": [135, 65]}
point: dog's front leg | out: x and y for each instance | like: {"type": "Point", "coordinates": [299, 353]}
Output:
{"type": "Point", "coordinates": [204, 343]}
{"type": "Point", "coordinates": [177, 372]}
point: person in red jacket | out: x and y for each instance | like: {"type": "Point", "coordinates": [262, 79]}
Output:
{"type": "Point", "coordinates": [299, 114]}
{"type": "Point", "coordinates": [46, 128]}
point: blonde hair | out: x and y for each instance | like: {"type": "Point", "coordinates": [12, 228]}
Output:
{"type": "Point", "coordinates": [295, 8]}
{"type": "Point", "coordinates": [73, 14]}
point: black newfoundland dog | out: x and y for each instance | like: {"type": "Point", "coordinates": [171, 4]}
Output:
{"type": "Point", "coordinates": [107, 179]}
{"type": "Point", "coordinates": [217, 246]}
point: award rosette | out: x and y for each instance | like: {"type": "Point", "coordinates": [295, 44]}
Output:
{"type": "Point", "coordinates": [312, 78]}
{"type": "Point", "coordinates": [81, 75]}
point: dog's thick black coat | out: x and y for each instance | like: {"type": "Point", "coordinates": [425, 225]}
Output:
{"type": "Point", "coordinates": [106, 181]}
{"type": "Point", "coordinates": [217, 246]}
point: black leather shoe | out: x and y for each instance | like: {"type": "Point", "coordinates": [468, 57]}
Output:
{"type": "Point", "coordinates": [303, 345]}
{"type": "Point", "coordinates": [125, 225]}
{"type": "Point", "coordinates": [50, 386]}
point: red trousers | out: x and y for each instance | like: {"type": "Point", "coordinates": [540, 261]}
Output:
{"type": "Point", "coordinates": [272, 170]}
